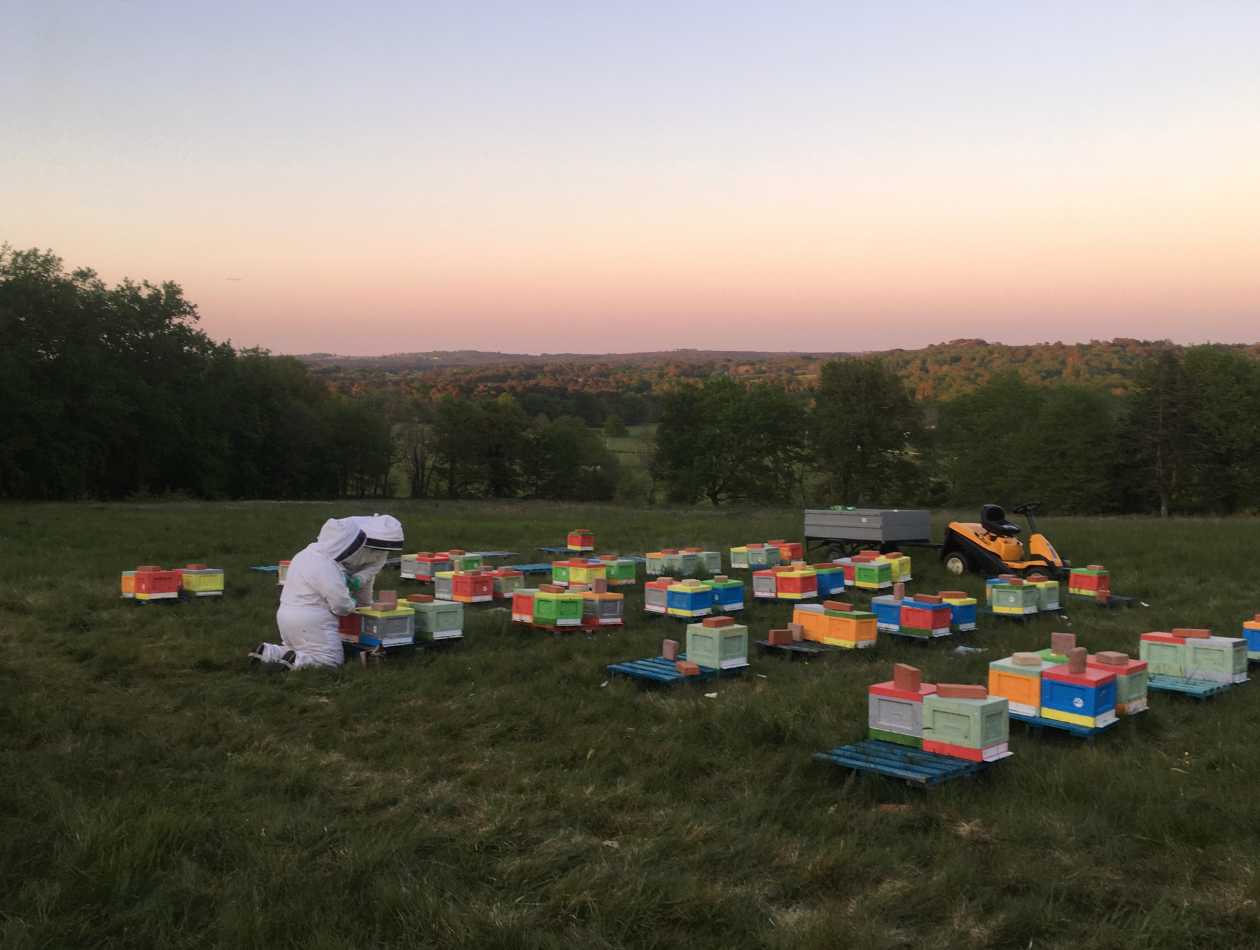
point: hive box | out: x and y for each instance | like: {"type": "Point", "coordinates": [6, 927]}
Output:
{"type": "Point", "coordinates": [656, 595]}
{"type": "Point", "coordinates": [962, 609]}
{"type": "Point", "coordinates": [728, 594]}
{"type": "Point", "coordinates": [157, 584]}
{"type": "Point", "coordinates": [717, 646]}
{"type": "Point", "coordinates": [507, 581]}
{"type": "Point", "coordinates": [900, 565]}
{"type": "Point", "coordinates": [282, 572]}
{"type": "Point", "coordinates": [887, 609]}
{"type": "Point", "coordinates": [765, 584]}
{"type": "Point", "coordinates": [1089, 581]}
{"type": "Point", "coordinates": [690, 598]}
{"type": "Point", "coordinates": [427, 565]}
{"type": "Point", "coordinates": [1014, 597]}
{"type": "Point", "coordinates": [1251, 633]}
{"type": "Point", "coordinates": [1019, 683]}
{"type": "Point", "coordinates": [348, 628]}
{"type": "Point", "coordinates": [974, 729]}
{"type": "Point", "coordinates": [920, 618]}
{"type": "Point", "coordinates": [580, 539]}
{"type": "Point", "coordinates": [1131, 680]}
{"type": "Point", "coordinates": [523, 604]}
{"type": "Point", "coordinates": [558, 609]}
{"type": "Point", "coordinates": [895, 713]}
{"type": "Point", "coordinates": [561, 572]}
{"type": "Point", "coordinates": [127, 584]}
{"type": "Point", "coordinates": [739, 558]}
{"type": "Point", "coordinates": [789, 551]}
{"type": "Point", "coordinates": [874, 574]}
{"type": "Point", "coordinates": [797, 584]}
{"type": "Point", "coordinates": [472, 587]}
{"type": "Point", "coordinates": [407, 566]}
{"type": "Point", "coordinates": [201, 581]}
{"type": "Point", "coordinates": [587, 572]}
{"type": "Point", "coordinates": [1082, 699]}
{"type": "Point", "coordinates": [1047, 593]}
{"type": "Point", "coordinates": [830, 579]}
{"type": "Point", "coordinates": [620, 572]}
{"type": "Point", "coordinates": [604, 609]}
{"type": "Point", "coordinates": [465, 562]}
{"type": "Point", "coordinates": [443, 585]}
{"type": "Point", "coordinates": [655, 563]}
{"type": "Point", "coordinates": [439, 620]}
{"type": "Point", "coordinates": [1217, 659]}
{"type": "Point", "coordinates": [387, 628]}
{"type": "Point", "coordinates": [762, 556]}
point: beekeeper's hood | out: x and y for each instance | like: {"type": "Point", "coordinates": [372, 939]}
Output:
{"type": "Point", "coordinates": [340, 538]}
{"type": "Point", "coordinates": [383, 532]}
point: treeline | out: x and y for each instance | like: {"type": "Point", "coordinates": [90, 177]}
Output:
{"type": "Point", "coordinates": [1186, 441]}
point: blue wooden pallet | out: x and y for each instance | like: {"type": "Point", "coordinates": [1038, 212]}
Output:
{"type": "Point", "coordinates": [1084, 732]}
{"type": "Point", "coordinates": [1199, 689]}
{"type": "Point", "coordinates": [898, 761]}
{"type": "Point", "coordinates": [662, 672]}
{"type": "Point", "coordinates": [536, 568]}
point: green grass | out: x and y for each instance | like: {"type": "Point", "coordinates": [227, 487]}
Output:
{"type": "Point", "coordinates": [156, 792]}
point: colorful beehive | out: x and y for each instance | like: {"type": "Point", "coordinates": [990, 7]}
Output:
{"type": "Point", "coordinates": [604, 609]}
{"type": "Point", "coordinates": [621, 572]}
{"type": "Point", "coordinates": [958, 722]}
{"type": "Point", "coordinates": [872, 573]}
{"type": "Point", "coordinates": [762, 556]}
{"type": "Point", "coordinates": [900, 565]}
{"type": "Point", "coordinates": [1077, 693]}
{"type": "Point", "coordinates": [561, 571]}
{"type": "Point", "coordinates": [1015, 598]}
{"type": "Point", "coordinates": [887, 610]}
{"type": "Point", "coordinates": [1047, 592]}
{"type": "Point", "coordinates": [201, 581]}
{"type": "Point", "coordinates": [558, 608]}
{"type": "Point", "coordinates": [587, 571]}
{"type": "Point", "coordinates": [523, 604]}
{"type": "Point", "coordinates": [581, 539]}
{"type": "Point", "coordinates": [1164, 653]}
{"type": "Point", "coordinates": [387, 628]}
{"type": "Point", "coordinates": [789, 551]}
{"type": "Point", "coordinates": [813, 621]}
{"type": "Point", "coordinates": [690, 598]}
{"type": "Point", "coordinates": [349, 627]}
{"type": "Point", "coordinates": [924, 616]}
{"type": "Point", "coordinates": [684, 563]}
{"type": "Point", "coordinates": [962, 609]}
{"type": "Point", "coordinates": [654, 563]}
{"type": "Point", "coordinates": [1130, 680]}
{"type": "Point", "coordinates": [461, 561]}
{"type": "Point", "coordinates": [507, 580]}
{"type": "Point", "coordinates": [407, 566]}
{"type": "Point", "coordinates": [799, 583]}
{"type": "Point", "coordinates": [992, 582]}
{"type": "Point", "coordinates": [153, 583]}
{"type": "Point", "coordinates": [718, 643]}
{"type": "Point", "coordinates": [1018, 679]}
{"type": "Point", "coordinates": [1089, 581]}
{"type": "Point", "coordinates": [728, 594]}
{"type": "Point", "coordinates": [282, 572]}
{"type": "Point", "coordinates": [1217, 659]}
{"type": "Point", "coordinates": [656, 595]}
{"type": "Point", "coordinates": [850, 572]}
{"type": "Point", "coordinates": [896, 707]}
{"type": "Point", "coordinates": [830, 579]}
{"type": "Point", "coordinates": [443, 585]}
{"type": "Point", "coordinates": [127, 584]}
{"type": "Point", "coordinates": [739, 558]}
{"type": "Point", "coordinates": [711, 561]}
{"type": "Point", "coordinates": [1251, 633]}
{"type": "Point", "coordinates": [847, 627]}
{"type": "Point", "coordinates": [428, 565]}
{"type": "Point", "coordinates": [439, 620]}
{"type": "Point", "coordinates": [765, 584]}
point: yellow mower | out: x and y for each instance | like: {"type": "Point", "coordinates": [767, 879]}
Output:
{"type": "Point", "coordinates": [993, 547]}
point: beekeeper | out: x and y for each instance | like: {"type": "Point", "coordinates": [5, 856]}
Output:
{"type": "Point", "coordinates": [327, 579]}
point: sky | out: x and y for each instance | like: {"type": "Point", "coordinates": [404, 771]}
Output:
{"type": "Point", "coordinates": [366, 178]}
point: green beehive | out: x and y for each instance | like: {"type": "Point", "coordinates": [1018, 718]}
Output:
{"type": "Point", "coordinates": [1163, 657]}
{"type": "Point", "coordinates": [872, 574]}
{"type": "Point", "coordinates": [439, 620]}
{"type": "Point", "coordinates": [1220, 659]}
{"type": "Point", "coordinates": [1015, 599]}
{"type": "Point", "coordinates": [719, 648]}
{"type": "Point", "coordinates": [570, 609]}
{"type": "Point", "coordinates": [560, 573]}
{"type": "Point", "coordinates": [621, 571]}
{"type": "Point", "coordinates": [465, 562]}
{"type": "Point", "coordinates": [970, 723]}
{"type": "Point", "coordinates": [559, 610]}
{"type": "Point", "coordinates": [1130, 687]}
{"type": "Point", "coordinates": [1047, 594]}
{"type": "Point", "coordinates": [686, 563]}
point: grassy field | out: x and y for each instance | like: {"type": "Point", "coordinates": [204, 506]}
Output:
{"type": "Point", "coordinates": [157, 792]}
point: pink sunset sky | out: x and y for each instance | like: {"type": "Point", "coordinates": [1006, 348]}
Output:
{"type": "Point", "coordinates": [558, 177]}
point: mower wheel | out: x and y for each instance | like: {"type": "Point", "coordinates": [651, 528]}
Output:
{"type": "Point", "coordinates": [956, 563]}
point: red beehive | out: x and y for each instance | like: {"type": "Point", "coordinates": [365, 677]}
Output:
{"type": "Point", "coordinates": [349, 626]}
{"type": "Point", "coordinates": [470, 586]}
{"type": "Point", "coordinates": [791, 550]}
{"type": "Point", "coordinates": [796, 582]}
{"type": "Point", "coordinates": [152, 582]}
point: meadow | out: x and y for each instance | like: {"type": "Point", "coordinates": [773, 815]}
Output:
{"type": "Point", "coordinates": [157, 791]}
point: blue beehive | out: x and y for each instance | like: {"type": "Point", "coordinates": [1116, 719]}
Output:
{"type": "Point", "coordinates": [1083, 698]}
{"type": "Point", "coordinates": [962, 609]}
{"type": "Point", "coordinates": [887, 609]}
{"type": "Point", "coordinates": [690, 598]}
{"type": "Point", "coordinates": [830, 579]}
{"type": "Point", "coordinates": [728, 594]}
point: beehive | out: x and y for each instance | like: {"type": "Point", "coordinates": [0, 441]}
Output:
{"type": "Point", "coordinates": [1047, 593]}
{"type": "Point", "coordinates": [718, 643]}
{"type": "Point", "coordinates": [348, 627]}
{"type": "Point", "coordinates": [156, 584]}
{"type": "Point", "coordinates": [201, 581]}
{"type": "Point", "coordinates": [874, 574]}
{"type": "Point", "coordinates": [587, 572]}
{"type": "Point", "coordinates": [799, 583]}
{"type": "Point", "coordinates": [563, 609]}
{"type": "Point", "coordinates": [689, 598]}
{"type": "Point", "coordinates": [813, 621]}
{"type": "Point", "coordinates": [765, 584]}
{"type": "Point", "coordinates": [127, 584]}
{"type": "Point", "coordinates": [440, 620]}
{"type": "Point", "coordinates": [1017, 678]}
{"type": "Point", "coordinates": [711, 561]}
{"type": "Point", "coordinates": [523, 604]}
{"type": "Point", "coordinates": [1089, 581]}
{"type": "Point", "coordinates": [654, 563]}
{"type": "Point", "coordinates": [830, 579]}
{"type": "Point", "coordinates": [1251, 633]}
{"type": "Point", "coordinates": [561, 572]}
{"type": "Point", "coordinates": [1164, 653]}
{"type": "Point", "coordinates": [581, 539]}
{"type": "Point", "coordinates": [387, 628]}
{"type": "Point", "coordinates": [849, 628]}
{"type": "Point", "coordinates": [408, 566]}
{"type": "Point", "coordinates": [739, 558]}
{"type": "Point", "coordinates": [1015, 597]}
{"type": "Point", "coordinates": [507, 580]}
{"type": "Point", "coordinates": [1131, 679]}
{"type": "Point", "coordinates": [1082, 699]}
{"type": "Point", "coordinates": [428, 565]}
{"type": "Point", "coordinates": [895, 707]}
{"type": "Point", "coordinates": [728, 594]}
{"type": "Point", "coordinates": [1218, 659]}
{"type": "Point", "coordinates": [604, 609]}
{"type": "Point", "coordinates": [443, 587]}
{"type": "Point", "coordinates": [962, 609]}
{"type": "Point", "coordinates": [900, 566]}
{"type": "Point", "coordinates": [973, 729]}
{"type": "Point", "coordinates": [656, 595]}
{"type": "Point", "coordinates": [887, 609]}
{"type": "Point", "coordinates": [621, 572]}
{"type": "Point", "coordinates": [465, 562]}
{"type": "Point", "coordinates": [924, 618]}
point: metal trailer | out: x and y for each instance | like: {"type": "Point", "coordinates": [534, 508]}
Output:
{"type": "Point", "coordinates": [845, 531]}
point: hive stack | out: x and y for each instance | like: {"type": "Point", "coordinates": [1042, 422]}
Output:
{"type": "Point", "coordinates": [429, 564]}
{"type": "Point", "coordinates": [620, 571]}
{"type": "Point", "coordinates": [900, 564]}
{"type": "Point", "coordinates": [151, 583]}
{"type": "Point", "coordinates": [887, 610]}
{"type": "Point", "coordinates": [962, 609]}
{"type": "Point", "coordinates": [965, 722]}
{"type": "Point", "coordinates": [830, 579]}
{"type": "Point", "coordinates": [581, 539]}
{"type": "Point", "coordinates": [739, 558]}
{"type": "Point", "coordinates": [765, 584]}
{"type": "Point", "coordinates": [436, 619]}
{"type": "Point", "coordinates": [837, 624]}
{"type": "Point", "coordinates": [1078, 694]}
{"type": "Point", "coordinates": [895, 707]}
{"type": "Point", "coordinates": [871, 571]}
{"type": "Point", "coordinates": [463, 561]}
{"type": "Point", "coordinates": [1130, 680]}
{"type": "Point", "coordinates": [728, 594]}
{"type": "Point", "coordinates": [603, 608]}
{"type": "Point", "coordinates": [689, 598]}
{"type": "Point", "coordinates": [1093, 581]}
{"type": "Point", "coordinates": [800, 582]}
{"type": "Point", "coordinates": [656, 595]}
{"type": "Point", "coordinates": [1017, 678]}
{"type": "Point", "coordinates": [1047, 592]}
{"type": "Point", "coordinates": [924, 616]}
{"type": "Point", "coordinates": [506, 580]}
{"type": "Point", "coordinates": [718, 643]}
{"type": "Point", "coordinates": [198, 580]}
{"type": "Point", "coordinates": [1194, 654]}
{"type": "Point", "coordinates": [762, 556]}
{"type": "Point", "coordinates": [1251, 633]}
{"type": "Point", "coordinates": [384, 626]}
{"type": "Point", "coordinates": [556, 607]}
{"type": "Point", "coordinates": [587, 571]}
{"type": "Point", "coordinates": [1014, 598]}
{"type": "Point", "coordinates": [472, 587]}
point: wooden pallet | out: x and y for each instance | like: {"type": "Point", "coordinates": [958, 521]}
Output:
{"type": "Point", "coordinates": [1036, 723]}
{"type": "Point", "coordinates": [917, 639]}
{"type": "Point", "coordinates": [583, 627]}
{"type": "Point", "coordinates": [1114, 602]}
{"type": "Point", "coordinates": [891, 760]}
{"type": "Point", "coordinates": [797, 649]}
{"type": "Point", "coordinates": [659, 671]}
{"type": "Point", "coordinates": [1017, 618]}
{"type": "Point", "coordinates": [1199, 689]}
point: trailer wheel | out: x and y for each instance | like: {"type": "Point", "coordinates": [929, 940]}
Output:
{"type": "Point", "coordinates": [956, 563]}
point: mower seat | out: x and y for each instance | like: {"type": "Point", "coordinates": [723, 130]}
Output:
{"type": "Point", "coordinates": [993, 520]}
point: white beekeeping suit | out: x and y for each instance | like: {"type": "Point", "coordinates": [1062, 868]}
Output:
{"type": "Point", "coordinates": [382, 536]}
{"type": "Point", "coordinates": [314, 596]}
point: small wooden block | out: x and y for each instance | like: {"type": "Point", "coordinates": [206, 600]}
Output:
{"type": "Point", "coordinates": [798, 631]}
{"type": "Point", "coordinates": [551, 588]}
{"type": "Point", "coordinates": [1060, 643]}
{"type": "Point", "coordinates": [718, 621]}
{"type": "Point", "coordinates": [578, 588]}
{"type": "Point", "coordinates": [388, 597]}
{"type": "Point", "coordinates": [1096, 567]}
{"type": "Point", "coordinates": [907, 677]}
{"type": "Point", "coordinates": [458, 552]}
{"type": "Point", "coordinates": [1113, 658]}
{"type": "Point", "coordinates": [1077, 659]}
{"type": "Point", "coordinates": [669, 649]}
{"type": "Point", "coordinates": [899, 590]}
{"type": "Point", "coordinates": [840, 605]}
{"type": "Point", "coordinates": [1037, 578]}
{"type": "Point", "coordinates": [721, 578]}
{"type": "Point", "coordinates": [1026, 659]}
{"type": "Point", "coordinates": [600, 586]}
{"type": "Point", "coordinates": [1191, 633]}
{"type": "Point", "coordinates": [951, 594]}
{"type": "Point", "coordinates": [687, 668]}
{"type": "Point", "coordinates": [780, 637]}
{"type": "Point", "coordinates": [961, 691]}
{"type": "Point", "coordinates": [928, 598]}
{"type": "Point", "coordinates": [419, 598]}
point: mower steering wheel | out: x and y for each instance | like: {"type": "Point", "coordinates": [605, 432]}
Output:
{"type": "Point", "coordinates": [1026, 507]}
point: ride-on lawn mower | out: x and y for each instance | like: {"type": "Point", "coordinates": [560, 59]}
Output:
{"type": "Point", "coordinates": [993, 547]}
